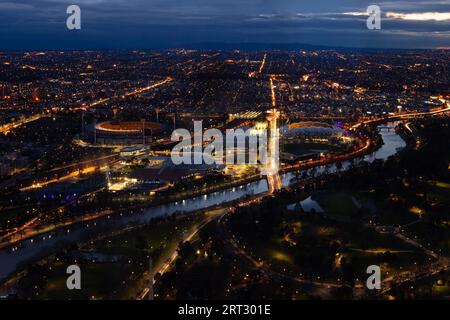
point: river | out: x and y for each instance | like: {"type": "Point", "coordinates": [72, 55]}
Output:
{"type": "Point", "coordinates": [40, 246]}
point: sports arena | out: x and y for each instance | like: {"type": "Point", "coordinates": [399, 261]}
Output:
{"type": "Point", "coordinates": [310, 129]}
{"type": "Point", "coordinates": [309, 140]}
{"type": "Point", "coordinates": [125, 133]}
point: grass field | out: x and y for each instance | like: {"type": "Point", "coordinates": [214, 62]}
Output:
{"type": "Point", "coordinates": [98, 279]}
{"type": "Point", "coordinates": [439, 192]}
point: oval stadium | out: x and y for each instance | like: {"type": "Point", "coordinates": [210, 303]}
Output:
{"type": "Point", "coordinates": [125, 133]}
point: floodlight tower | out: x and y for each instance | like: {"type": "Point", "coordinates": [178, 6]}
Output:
{"type": "Point", "coordinates": [95, 131]}
{"type": "Point", "coordinates": [157, 110]}
{"type": "Point", "coordinates": [82, 122]}
{"type": "Point", "coordinates": [143, 131]}
{"type": "Point", "coordinates": [150, 282]}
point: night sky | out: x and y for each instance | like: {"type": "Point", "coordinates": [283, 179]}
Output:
{"type": "Point", "coordinates": [147, 24]}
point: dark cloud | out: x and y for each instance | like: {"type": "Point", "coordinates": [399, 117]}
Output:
{"type": "Point", "coordinates": [40, 24]}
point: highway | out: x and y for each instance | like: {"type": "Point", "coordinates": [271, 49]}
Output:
{"type": "Point", "coordinates": [403, 116]}
{"type": "Point", "coordinates": [6, 128]}
{"type": "Point", "coordinates": [131, 93]}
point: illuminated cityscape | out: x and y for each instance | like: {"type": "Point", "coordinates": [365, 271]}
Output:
{"type": "Point", "coordinates": [358, 173]}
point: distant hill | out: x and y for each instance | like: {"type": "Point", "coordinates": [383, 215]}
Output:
{"type": "Point", "coordinates": [257, 46]}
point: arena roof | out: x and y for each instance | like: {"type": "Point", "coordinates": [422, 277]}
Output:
{"type": "Point", "coordinates": [126, 126]}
